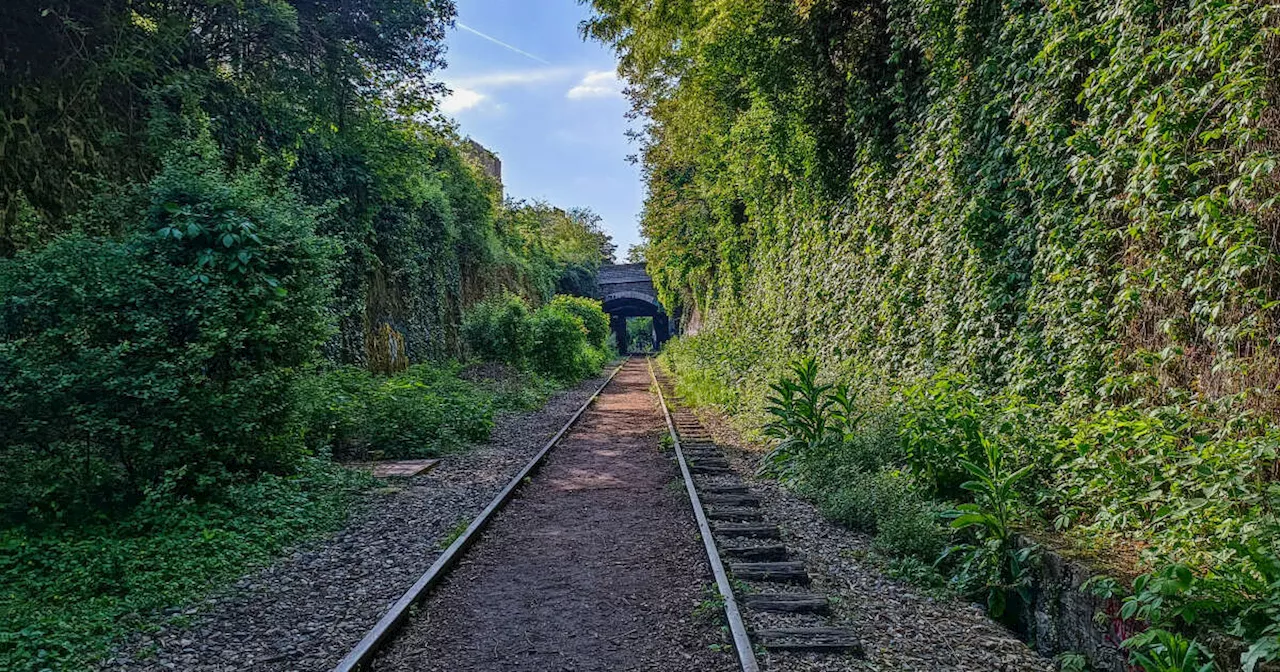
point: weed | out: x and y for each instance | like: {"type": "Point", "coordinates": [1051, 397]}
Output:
{"type": "Point", "coordinates": [1071, 662]}
{"type": "Point", "coordinates": [711, 608]}
{"type": "Point", "coordinates": [458, 529]}
{"type": "Point", "coordinates": [993, 562]}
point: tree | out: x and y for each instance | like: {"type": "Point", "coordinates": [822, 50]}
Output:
{"type": "Point", "coordinates": [637, 253]}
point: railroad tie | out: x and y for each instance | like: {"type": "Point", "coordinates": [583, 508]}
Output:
{"type": "Point", "coordinates": [790, 603]}
{"type": "Point", "coordinates": [752, 530]}
{"type": "Point", "coordinates": [778, 572]}
{"type": "Point", "coordinates": [818, 640]}
{"type": "Point", "coordinates": [761, 553]}
{"type": "Point", "coordinates": [726, 490]}
{"type": "Point", "coordinates": [734, 514]}
{"type": "Point", "coordinates": [748, 501]}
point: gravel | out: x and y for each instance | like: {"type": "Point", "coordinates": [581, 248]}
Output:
{"type": "Point", "coordinates": [308, 609]}
{"type": "Point", "coordinates": [901, 629]}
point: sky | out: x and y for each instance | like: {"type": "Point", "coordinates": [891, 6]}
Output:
{"type": "Point", "coordinates": [549, 104]}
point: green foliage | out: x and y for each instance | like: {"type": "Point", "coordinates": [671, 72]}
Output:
{"type": "Point", "coordinates": [1071, 662]}
{"type": "Point", "coordinates": [704, 370]}
{"type": "Point", "coordinates": [497, 330]}
{"type": "Point", "coordinates": [908, 528]}
{"type": "Point", "coordinates": [68, 594]}
{"type": "Point", "coordinates": [1242, 598]}
{"type": "Point", "coordinates": [589, 313]}
{"type": "Point", "coordinates": [215, 219]}
{"type": "Point", "coordinates": [91, 84]}
{"type": "Point", "coordinates": [554, 340]}
{"type": "Point", "coordinates": [1170, 471]}
{"type": "Point", "coordinates": [800, 408]}
{"type": "Point", "coordinates": [560, 346]}
{"type": "Point", "coordinates": [1163, 651]}
{"type": "Point", "coordinates": [994, 562]}
{"type": "Point", "coordinates": [561, 252]}
{"type": "Point", "coordinates": [1056, 217]}
{"type": "Point", "coordinates": [640, 334]}
{"type": "Point", "coordinates": [167, 355]}
{"type": "Point", "coordinates": [422, 412]}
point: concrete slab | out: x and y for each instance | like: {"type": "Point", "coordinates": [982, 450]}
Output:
{"type": "Point", "coordinates": [397, 468]}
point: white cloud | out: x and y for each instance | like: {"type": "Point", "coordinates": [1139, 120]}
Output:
{"type": "Point", "coordinates": [503, 79]}
{"type": "Point", "coordinates": [597, 84]}
{"type": "Point", "coordinates": [462, 99]}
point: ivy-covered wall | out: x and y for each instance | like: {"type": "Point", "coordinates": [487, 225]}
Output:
{"type": "Point", "coordinates": [1070, 203]}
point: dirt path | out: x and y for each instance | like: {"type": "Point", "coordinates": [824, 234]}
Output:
{"type": "Point", "coordinates": [596, 566]}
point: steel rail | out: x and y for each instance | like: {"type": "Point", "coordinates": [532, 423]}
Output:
{"type": "Point", "coordinates": [741, 642]}
{"type": "Point", "coordinates": [360, 657]}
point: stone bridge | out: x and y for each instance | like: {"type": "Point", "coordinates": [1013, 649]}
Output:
{"type": "Point", "coordinates": [627, 291]}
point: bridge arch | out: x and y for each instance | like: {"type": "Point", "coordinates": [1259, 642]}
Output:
{"type": "Point", "coordinates": [627, 291]}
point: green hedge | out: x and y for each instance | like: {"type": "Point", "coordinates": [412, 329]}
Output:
{"type": "Point", "coordinates": [565, 339]}
{"type": "Point", "coordinates": [170, 354]}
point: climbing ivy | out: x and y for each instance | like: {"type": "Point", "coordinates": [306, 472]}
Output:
{"type": "Point", "coordinates": [1065, 206]}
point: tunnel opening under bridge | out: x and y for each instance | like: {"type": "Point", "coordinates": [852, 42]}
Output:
{"type": "Point", "coordinates": [627, 293]}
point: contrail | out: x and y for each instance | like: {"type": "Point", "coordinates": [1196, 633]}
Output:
{"type": "Point", "coordinates": [500, 43]}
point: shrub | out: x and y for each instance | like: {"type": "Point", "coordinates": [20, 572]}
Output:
{"type": "Point", "coordinates": [498, 330]}
{"type": "Point", "coordinates": [421, 412]}
{"type": "Point", "coordinates": [559, 343]}
{"type": "Point", "coordinates": [565, 339]}
{"type": "Point", "coordinates": [589, 312]}
{"type": "Point", "coordinates": [704, 368]}
{"type": "Point", "coordinates": [865, 498]}
{"type": "Point", "coordinates": [170, 353]}
{"type": "Point", "coordinates": [910, 531]}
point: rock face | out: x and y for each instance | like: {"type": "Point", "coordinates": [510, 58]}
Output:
{"type": "Point", "coordinates": [488, 161]}
{"type": "Point", "coordinates": [1063, 618]}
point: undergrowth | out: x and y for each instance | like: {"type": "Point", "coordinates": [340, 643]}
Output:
{"type": "Point", "coordinates": [951, 482]}
{"type": "Point", "coordinates": [67, 594]}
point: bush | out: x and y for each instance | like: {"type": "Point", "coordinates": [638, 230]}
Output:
{"type": "Point", "coordinates": [559, 343]}
{"type": "Point", "coordinates": [555, 340]}
{"type": "Point", "coordinates": [497, 330]}
{"type": "Point", "coordinates": [421, 412]}
{"type": "Point", "coordinates": [910, 531]}
{"type": "Point", "coordinates": [168, 354]}
{"type": "Point", "coordinates": [589, 312]}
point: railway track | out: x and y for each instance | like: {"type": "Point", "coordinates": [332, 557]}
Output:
{"type": "Point", "coordinates": [748, 551]}
{"type": "Point", "coordinates": [742, 547]}
{"type": "Point", "coordinates": [361, 657]}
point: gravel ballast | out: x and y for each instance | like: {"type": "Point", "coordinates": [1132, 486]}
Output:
{"type": "Point", "coordinates": [305, 611]}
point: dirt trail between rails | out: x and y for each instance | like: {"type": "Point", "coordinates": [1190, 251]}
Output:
{"type": "Point", "coordinates": [595, 566]}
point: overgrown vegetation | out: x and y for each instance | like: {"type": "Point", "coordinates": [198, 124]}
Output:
{"type": "Point", "coordinates": [640, 334]}
{"type": "Point", "coordinates": [565, 339]}
{"type": "Point", "coordinates": [68, 592]}
{"type": "Point", "coordinates": [237, 240]}
{"type": "Point", "coordinates": [1048, 225]}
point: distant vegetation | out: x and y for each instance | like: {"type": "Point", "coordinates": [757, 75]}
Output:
{"type": "Point", "coordinates": [1034, 243]}
{"type": "Point", "coordinates": [237, 240]}
{"type": "Point", "coordinates": [640, 334]}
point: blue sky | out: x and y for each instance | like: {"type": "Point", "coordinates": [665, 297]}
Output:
{"type": "Point", "coordinates": [549, 104]}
